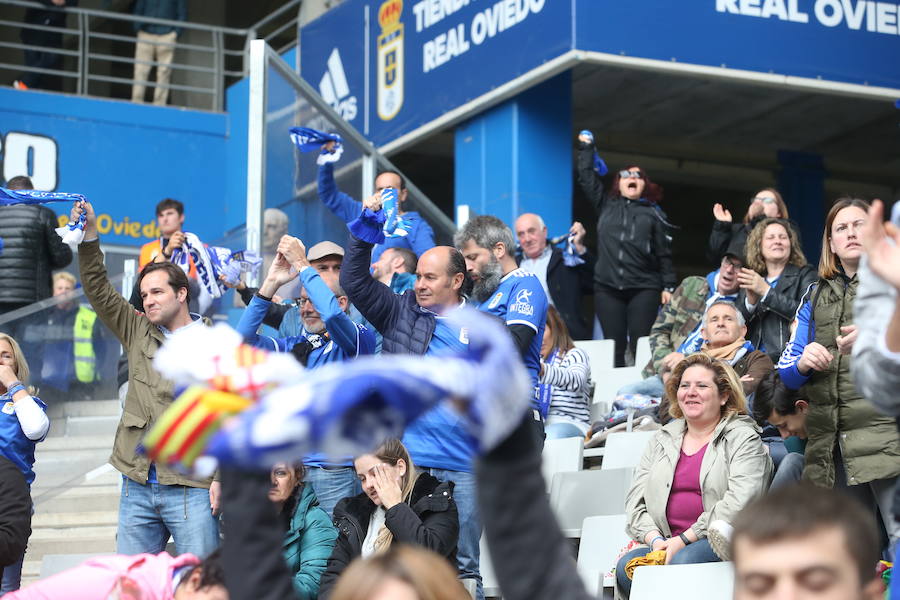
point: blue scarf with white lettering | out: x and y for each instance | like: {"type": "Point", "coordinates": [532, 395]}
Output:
{"type": "Point", "coordinates": [308, 140]}
{"type": "Point", "coordinates": [344, 409]}
{"type": "Point", "coordinates": [72, 233]}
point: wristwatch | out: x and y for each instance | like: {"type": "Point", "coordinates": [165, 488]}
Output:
{"type": "Point", "coordinates": [684, 539]}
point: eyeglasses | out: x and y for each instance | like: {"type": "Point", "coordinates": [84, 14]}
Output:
{"type": "Point", "coordinates": [763, 199]}
{"type": "Point", "coordinates": [301, 302]}
{"type": "Point", "coordinates": [734, 264]}
{"type": "Point", "coordinates": [631, 175]}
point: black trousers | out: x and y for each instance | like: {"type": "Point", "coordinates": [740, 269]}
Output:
{"type": "Point", "coordinates": [625, 315]}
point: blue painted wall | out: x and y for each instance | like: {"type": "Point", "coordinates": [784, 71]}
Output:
{"type": "Point", "coordinates": [517, 157]}
{"type": "Point", "coordinates": [124, 157]}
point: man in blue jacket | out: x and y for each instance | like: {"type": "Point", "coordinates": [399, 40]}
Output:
{"type": "Point", "coordinates": [329, 335]}
{"type": "Point", "coordinates": [420, 236]}
{"type": "Point", "coordinates": [415, 323]}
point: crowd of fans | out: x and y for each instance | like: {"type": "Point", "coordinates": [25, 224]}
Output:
{"type": "Point", "coordinates": [762, 372]}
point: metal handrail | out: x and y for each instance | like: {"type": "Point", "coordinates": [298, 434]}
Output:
{"type": "Point", "coordinates": [214, 41]}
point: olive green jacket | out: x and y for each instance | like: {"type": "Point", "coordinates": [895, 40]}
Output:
{"type": "Point", "coordinates": [736, 468]}
{"type": "Point", "coordinates": [838, 413]}
{"type": "Point", "coordinates": [149, 395]}
{"type": "Point", "coordinates": [676, 321]}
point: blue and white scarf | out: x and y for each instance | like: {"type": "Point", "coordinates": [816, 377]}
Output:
{"type": "Point", "coordinates": [72, 233]}
{"type": "Point", "coordinates": [348, 408]}
{"type": "Point", "coordinates": [307, 140]}
{"type": "Point", "coordinates": [599, 164]}
{"type": "Point", "coordinates": [211, 262]}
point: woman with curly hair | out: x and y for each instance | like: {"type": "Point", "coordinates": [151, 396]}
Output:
{"type": "Point", "coordinates": [766, 203]}
{"type": "Point", "coordinates": [772, 283]}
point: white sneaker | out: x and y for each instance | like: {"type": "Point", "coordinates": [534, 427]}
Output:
{"type": "Point", "coordinates": [719, 534]}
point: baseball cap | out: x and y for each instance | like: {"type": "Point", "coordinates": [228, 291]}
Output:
{"type": "Point", "coordinates": [323, 249]}
{"type": "Point", "coordinates": [736, 248]}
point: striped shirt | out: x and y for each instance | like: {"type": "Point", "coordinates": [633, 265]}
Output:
{"type": "Point", "coordinates": [571, 389]}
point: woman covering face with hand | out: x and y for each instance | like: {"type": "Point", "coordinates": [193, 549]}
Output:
{"type": "Point", "coordinates": [398, 506]}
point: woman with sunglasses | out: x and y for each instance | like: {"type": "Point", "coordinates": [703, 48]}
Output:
{"type": "Point", "coordinates": [634, 271]}
{"type": "Point", "coordinates": [766, 203]}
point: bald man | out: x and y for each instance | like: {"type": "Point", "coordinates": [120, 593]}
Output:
{"type": "Point", "coordinates": [411, 323]}
{"type": "Point", "coordinates": [565, 286]}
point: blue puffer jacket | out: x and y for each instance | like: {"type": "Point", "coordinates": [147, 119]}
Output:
{"type": "Point", "coordinates": [407, 327]}
{"type": "Point", "coordinates": [308, 544]}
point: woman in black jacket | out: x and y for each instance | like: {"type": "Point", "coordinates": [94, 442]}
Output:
{"type": "Point", "coordinates": [772, 284]}
{"type": "Point", "coordinates": [397, 505]}
{"type": "Point", "coordinates": [634, 269]}
{"type": "Point", "coordinates": [767, 203]}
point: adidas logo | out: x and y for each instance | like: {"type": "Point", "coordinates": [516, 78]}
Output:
{"type": "Point", "coordinates": [334, 89]}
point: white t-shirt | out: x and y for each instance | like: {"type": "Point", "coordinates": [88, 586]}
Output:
{"type": "Point", "coordinates": [375, 523]}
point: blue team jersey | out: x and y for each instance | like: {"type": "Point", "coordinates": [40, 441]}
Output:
{"type": "Point", "coordinates": [520, 300]}
{"type": "Point", "coordinates": [14, 444]}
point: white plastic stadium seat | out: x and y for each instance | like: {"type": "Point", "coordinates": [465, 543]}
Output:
{"type": "Point", "coordinates": [600, 354]}
{"type": "Point", "coordinates": [581, 494]}
{"type": "Point", "coordinates": [608, 382]}
{"type": "Point", "coordinates": [707, 581]}
{"type": "Point", "coordinates": [625, 449]}
{"type": "Point", "coordinates": [642, 352]}
{"type": "Point", "coordinates": [602, 538]}
{"type": "Point", "coordinates": [560, 456]}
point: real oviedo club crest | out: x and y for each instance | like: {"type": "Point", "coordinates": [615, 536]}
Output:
{"type": "Point", "coordinates": [390, 60]}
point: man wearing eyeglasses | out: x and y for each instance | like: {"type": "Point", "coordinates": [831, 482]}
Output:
{"type": "Point", "coordinates": [329, 335]}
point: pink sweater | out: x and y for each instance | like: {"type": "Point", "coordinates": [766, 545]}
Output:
{"type": "Point", "coordinates": [138, 577]}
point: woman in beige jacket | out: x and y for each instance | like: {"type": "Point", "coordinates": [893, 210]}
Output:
{"type": "Point", "coordinates": [704, 465]}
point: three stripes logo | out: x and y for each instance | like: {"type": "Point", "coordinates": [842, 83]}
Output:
{"type": "Point", "coordinates": [334, 89]}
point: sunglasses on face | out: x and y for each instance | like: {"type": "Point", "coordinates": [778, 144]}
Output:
{"type": "Point", "coordinates": [763, 199]}
{"type": "Point", "coordinates": [631, 175]}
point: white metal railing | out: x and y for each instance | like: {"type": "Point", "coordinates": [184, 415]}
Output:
{"type": "Point", "coordinates": [218, 54]}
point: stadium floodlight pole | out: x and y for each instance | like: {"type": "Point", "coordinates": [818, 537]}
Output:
{"type": "Point", "coordinates": [256, 149]}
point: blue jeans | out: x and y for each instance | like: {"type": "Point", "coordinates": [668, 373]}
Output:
{"type": "Point", "coordinates": [149, 512]}
{"type": "Point", "coordinates": [467, 549]}
{"type": "Point", "coordinates": [698, 552]}
{"type": "Point", "coordinates": [12, 577]}
{"type": "Point", "coordinates": [556, 431]}
{"type": "Point", "coordinates": [789, 471]}
{"type": "Point", "coordinates": [652, 386]}
{"type": "Point", "coordinates": [332, 484]}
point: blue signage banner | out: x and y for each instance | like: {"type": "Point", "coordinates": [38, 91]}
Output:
{"type": "Point", "coordinates": [124, 157]}
{"type": "Point", "coordinates": [848, 41]}
{"type": "Point", "coordinates": [390, 66]}
{"type": "Point", "coordinates": [395, 65]}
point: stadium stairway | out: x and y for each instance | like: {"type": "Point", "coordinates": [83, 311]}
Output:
{"type": "Point", "coordinates": [75, 492]}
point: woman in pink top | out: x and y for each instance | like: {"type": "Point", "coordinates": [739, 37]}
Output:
{"type": "Point", "coordinates": [704, 465]}
{"type": "Point", "coordinates": [137, 577]}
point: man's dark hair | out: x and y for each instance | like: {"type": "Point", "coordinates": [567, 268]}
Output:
{"type": "Point", "coordinates": [20, 182]}
{"type": "Point", "coordinates": [457, 264]}
{"type": "Point", "coordinates": [177, 278]}
{"type": "Point", "coordinates": [392, 172]}
{"type": "Point", "coordinates": [168, 203]}
{"type": "Point", "coordinates": [212, 572]}
{"type": "Point", "coordinates": [409, 258]}
{"type": "Point", "coordinates": [771, 394]}
{"type": "Point", "coordinates": [796, 511]}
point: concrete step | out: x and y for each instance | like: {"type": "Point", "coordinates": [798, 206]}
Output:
{"type": "Point", "coordinates": [44, 520]}
{"type": "Point", "coordinates": [90, 426]}
{"type": "Point", "coordinates": [99, 540]}
{"type": "Point", "coordinates": [80, 499]}
{"type": "Point", "coordinates": [85, 408]}
{"type": "Point", "coordinates": [31, 569]}
{"type": "Point", "coordinates": [67, 443]}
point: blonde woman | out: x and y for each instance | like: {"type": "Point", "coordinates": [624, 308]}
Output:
{"type": "Point", "coordinates": [705, 465]}
{"type": "Point", "coordinates": [772, 284]}
{"type": "Point", "coordinates": [402, 573]}
{"type": "Point", "coordinates": [23, 423]}
{"type": "Point", "coordinates": [398, 505]}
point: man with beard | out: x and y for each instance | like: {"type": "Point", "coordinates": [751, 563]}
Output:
{"type": "Point", "coordinates": [503, 289]}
